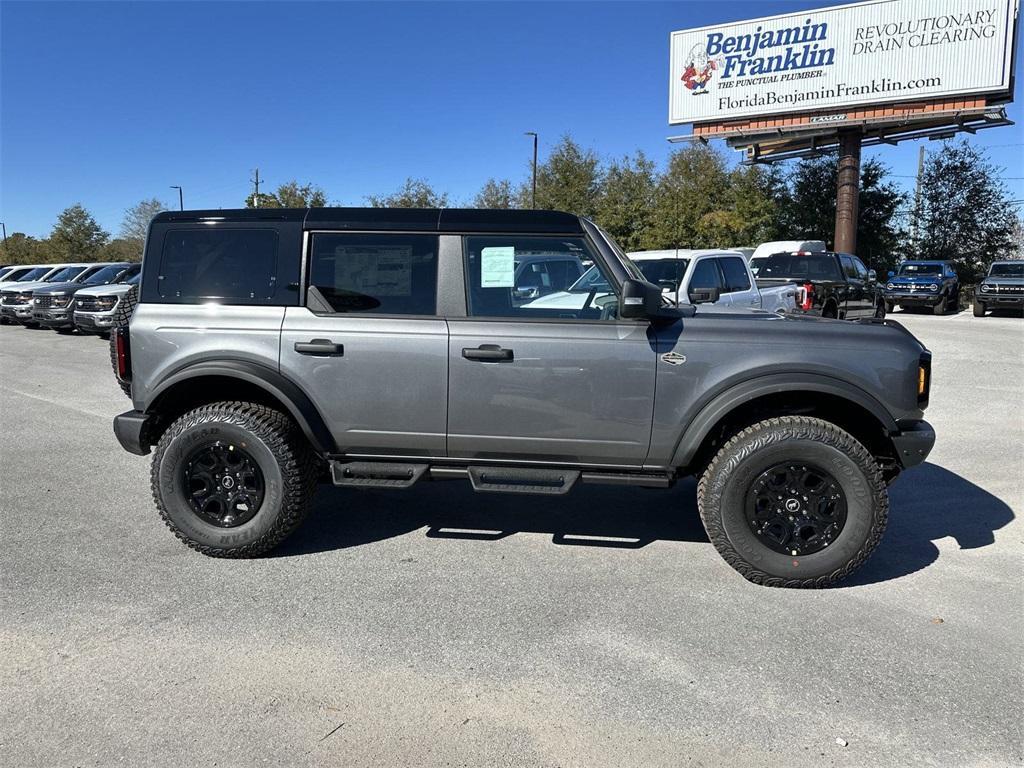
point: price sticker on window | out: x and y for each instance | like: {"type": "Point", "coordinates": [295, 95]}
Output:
{"type": "Point", "coordinates": [498, 267]}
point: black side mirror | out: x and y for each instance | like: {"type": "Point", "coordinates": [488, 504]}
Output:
{"type": "Point", "coordinates": [705, 295]}
{"type": "Point", "coordinates": [639, 299]}
{"type": "Point", "coordinates": [872, 276]}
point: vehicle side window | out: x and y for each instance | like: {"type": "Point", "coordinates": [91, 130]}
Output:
{"type": "Point", "coordinates": [705, 276]}
{"type": "Point", "coordinates": [212, 263]}
{"type": "Point", "coordinates": [735, 272]}
{"type": "Point", "coordinates": [848, 269]}
{"type": "Point", "coordinates": [384, 274]}
{"type": "Point", "coordinates": [862, 271]}
{"type": "Point", "coordinates": [526, 277]}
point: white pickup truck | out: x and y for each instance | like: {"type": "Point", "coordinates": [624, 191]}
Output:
{"type": "Point", "coordinates": [686, 276]}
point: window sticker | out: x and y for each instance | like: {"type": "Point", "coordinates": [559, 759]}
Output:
{"type": "Point", "coordinates": [374, 270]}
{"type": "Point", "coordinates": [498, 267]}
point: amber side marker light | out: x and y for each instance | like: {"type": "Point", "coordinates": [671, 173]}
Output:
{"type": "Point", "coordinates": [924, 378]}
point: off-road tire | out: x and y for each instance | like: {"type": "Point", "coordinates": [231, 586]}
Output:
{"type": "Point", "coordinates": [121, 318]}
{"type": "Point", "coordinates": [276, 444]}
{"type": "Point", "coordinates": [939, 308]}
{"type": "Point", "coordinates": [979, 309]}
{"type": "Point", "coordinates": [722, 490]}
{"type": "Point", "coordinates": [880, 310]}
{"type": "Point", "coordinates": [890, 307]}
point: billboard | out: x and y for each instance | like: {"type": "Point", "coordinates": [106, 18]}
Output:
{"type": "Point", "coordinates": [876, 52]}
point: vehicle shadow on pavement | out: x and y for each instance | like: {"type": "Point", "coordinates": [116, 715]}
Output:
{"type": "Point", "coordinates": [929, 503]}
{"type": "Point", "coordinates": [590, 515]}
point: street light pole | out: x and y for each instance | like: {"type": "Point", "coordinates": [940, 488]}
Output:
{"type": "Point", "coordinates": [533, 197]}
{"type": "Point", "coordinates": [181, 198]}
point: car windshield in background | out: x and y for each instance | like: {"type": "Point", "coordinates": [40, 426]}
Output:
{"type": "Point", "coordinates": [105, 275]}
{"type": "Point", "coordinates": [592, 280]}
{"type": "Point", "coordinates": [756, 264]}
{"type": "Point", "coordinates": [921, 270]}
{"type": "Point", "coordinates": [64, 275]}
{"type": "Point", "coordinates": [33, 274]}
{"type": "Point", "coordinates": [801, 267]}
{"type": "Point", "coordinates": [134, 279]}
{"type": "Point", "coordinates": [1007, 270]}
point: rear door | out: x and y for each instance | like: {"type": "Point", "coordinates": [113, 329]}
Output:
{"type": "Point", "coordinates": [739, 291]}
{"type": "Point", "coordinates": [570, 385]}
{"type": "Point", "coordinates": [858, 303]}
{"type": "Point", "coordinates": [368, 346]}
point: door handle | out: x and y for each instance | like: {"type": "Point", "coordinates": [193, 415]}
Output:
{"type": "Point", "coordinates": [320, 347]}
{"type": "Point", "coordinates": [491, 353]}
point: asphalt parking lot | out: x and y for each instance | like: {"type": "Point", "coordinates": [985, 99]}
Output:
{"type": "Point", "coordinates": [439, 627]}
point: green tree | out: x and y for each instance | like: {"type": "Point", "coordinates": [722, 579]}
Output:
{"type": "Point", "coordinates": [692, 206]}
{"type": "Point", "coordinates": [76, 236]}
{"type": "Point", "coordinates": [414, 193]}
{"type": "Point", "coordinates": [756, 193]}
{"type": "Point", "coordinates": [136, 223]}
{"type": "Point", "coordinates": [20, 248]}
{"type": "Point", "coordinates": [809, 209]}
{"type": "Point", "coordinates": [625, 205]}
{"type": "Point", "coordinates": [122, 249]}
{"type": "Point", "coordinates": [495, 194]}
{"type": "Point", "coordinates": [291, 194]}
{"type": "Point", "coordinates": [966, 215]}
{"type": "Point", "coordinates": [568, 180]}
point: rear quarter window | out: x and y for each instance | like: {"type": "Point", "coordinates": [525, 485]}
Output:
{"type": "Point", "coordinates": [210, 263]}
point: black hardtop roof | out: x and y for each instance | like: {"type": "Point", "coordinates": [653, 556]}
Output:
{"type": "Point", "coordinates": [398, 219]}
{"type": "Point", "coordinates": [924, 261]}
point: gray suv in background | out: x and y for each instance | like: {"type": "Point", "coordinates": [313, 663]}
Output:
{"type": "Point", "coordinates": [53, 306]}
{"type": "Point", "coordinates": [385, 348]}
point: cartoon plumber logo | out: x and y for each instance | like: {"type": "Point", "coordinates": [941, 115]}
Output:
{"type": "Point", "coordinates": [699, 69]}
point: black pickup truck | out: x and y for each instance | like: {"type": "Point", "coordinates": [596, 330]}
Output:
{"type": "Point", "coordinates": [831, 284]}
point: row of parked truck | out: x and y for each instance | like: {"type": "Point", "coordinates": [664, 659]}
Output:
{"type": "Point", "coordinates": [66, 297]}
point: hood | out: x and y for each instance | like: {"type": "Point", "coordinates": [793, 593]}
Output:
{"type": "Point", "coordinates": [915, 280]}
{"type": "Point", "coordinates": [59, 288]}
{"type": "Point", "coordinates": [113, 289]}
{"type": "Point", "coordinates": [23, 287]}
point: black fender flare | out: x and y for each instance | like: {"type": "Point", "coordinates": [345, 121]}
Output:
{"type": "Point", "coordinates": [301, 408]}
{"type": "Point", "coordinates": [700, 426]}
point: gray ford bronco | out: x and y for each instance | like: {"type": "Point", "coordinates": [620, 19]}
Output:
{"type": "Point", "coordinates": [383, 348]}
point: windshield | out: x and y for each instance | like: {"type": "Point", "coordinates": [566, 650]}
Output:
{"type": "Point", "coordinates": [64, 275]}
{"type": "Point", "coordinates": [1007, 270]}
{"type": "Point", "coordinates": [792, 266]}
{"type": "Point", "coordinates": [756, 264]}
{"type": "Point", "coordinates": [34, 274]}
{"type": "Point", "coordinates": [921, 270]}
{"type": "Point", "coordinates": [134, 279]}
{"type": "Point", "coordinates": [105, 275]}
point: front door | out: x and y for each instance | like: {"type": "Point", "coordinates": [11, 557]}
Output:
{"type": "Point", "coordinates": [858, 303]}
{"type": "Point", "coordinates": [560, 382]}
{"type": "Point", "coordinates": [368, 347]}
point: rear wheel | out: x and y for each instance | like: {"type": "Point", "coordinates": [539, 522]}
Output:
{"type": "Point", "coordinates": [233, 479]}
{"type": "Point", "coordinates": [793, 502]}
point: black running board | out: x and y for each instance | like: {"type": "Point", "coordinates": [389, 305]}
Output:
{"type": "Point", "coordinates": [489, 479]}
{"type": "Point", "coordinates": [376, 474]}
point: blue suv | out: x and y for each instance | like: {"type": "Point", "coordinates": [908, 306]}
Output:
{"type": "Point", "coordinates": [932, 284]}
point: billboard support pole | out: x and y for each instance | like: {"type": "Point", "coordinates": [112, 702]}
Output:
{"type": "Point", "coordinates": [848, 190]}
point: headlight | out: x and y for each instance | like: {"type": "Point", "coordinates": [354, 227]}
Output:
{"type": "Point", "coordinates": [61, 300]}
{"type": "Point", "coordinates": [986, 288]}
{"type": "Point", "coordinates": [933, 287]}
{"type": "Point", "coordinates": [889, 286]}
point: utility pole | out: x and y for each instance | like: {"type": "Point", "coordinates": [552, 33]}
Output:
{"type": "Point", "coordinates": [181, 198]}
{"type": "Point", "coordinates": [256, 194]}
{"type": "Point", "coordinates": [917, 195]}
{"type": "Point", "coordinates": [533, 197]}
{"type": "Point", "coordinates": [4, 225]}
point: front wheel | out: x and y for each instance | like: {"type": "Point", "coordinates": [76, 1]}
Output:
{"type": "Point", "coordinates": [793, 502]}
{"type": "Point", "coordinates": [233, 479]}
{"type": "Point", "coordinates": [880, 310]}
{"type": "Point", "coordinates": [890, 307]}
{"type": "Point", "coordinates": [939, 308]}
{"type": "Point", "coordinates": [979, 309]}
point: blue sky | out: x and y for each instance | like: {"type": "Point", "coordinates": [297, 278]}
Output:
{"type": "Point", "coordinates": [109, 103]}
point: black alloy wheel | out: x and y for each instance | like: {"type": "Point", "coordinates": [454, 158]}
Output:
{"type": "Point", "coordinates": [223, 484]}
{"type": "Point", "coordinates": [796, 509]}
